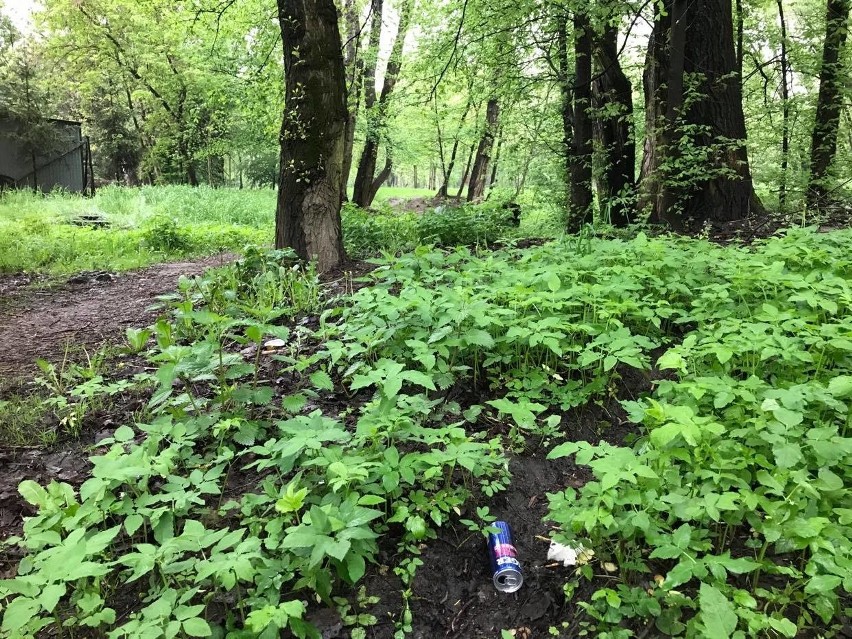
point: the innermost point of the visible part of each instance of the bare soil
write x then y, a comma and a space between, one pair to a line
82, 312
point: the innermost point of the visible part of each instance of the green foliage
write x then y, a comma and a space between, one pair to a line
735, 491
143, 226
366, 233
154, 516
734, 494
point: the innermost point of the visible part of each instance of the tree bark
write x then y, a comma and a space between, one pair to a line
695, 167
493, 180
354, 65
612, 101
740, 30
466, 171
448, 170
479, 172
580, 206
365, 187
829, 103
567, 95
312, 133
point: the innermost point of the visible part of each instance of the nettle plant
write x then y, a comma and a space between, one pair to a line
732, 516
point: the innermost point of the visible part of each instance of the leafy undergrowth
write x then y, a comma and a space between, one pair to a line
287, 434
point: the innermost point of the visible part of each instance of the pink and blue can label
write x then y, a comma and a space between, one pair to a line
504, 559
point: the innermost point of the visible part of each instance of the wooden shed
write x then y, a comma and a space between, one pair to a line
63, 160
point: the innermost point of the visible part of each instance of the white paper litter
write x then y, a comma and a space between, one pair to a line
568, 555
275, 343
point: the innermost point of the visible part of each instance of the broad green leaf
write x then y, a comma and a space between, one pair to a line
197, 627
321, 380
479, 337
841, 386
18, 613
717, 612
787, 455
33, 493
822, 584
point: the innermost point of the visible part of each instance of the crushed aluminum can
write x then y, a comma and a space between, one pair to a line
504, 559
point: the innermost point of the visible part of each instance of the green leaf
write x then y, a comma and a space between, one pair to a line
670, 359
294, 403
553, 282
724, 354
563, 450
123, 434
787, 455
355, 566
784, 626
788, 417
822, 584
33, 493
321, 380
479, 337
421, 379
51, 595
841, 386
717, 612
197, 627
18, 614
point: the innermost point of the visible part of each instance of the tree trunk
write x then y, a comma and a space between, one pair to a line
695, 167
496, 161
740, 29
479, 173
466, 171
785, 110
829, 102
354, 65
312, 133
580, 207
448, 170
365, 189
567, 102
612, 100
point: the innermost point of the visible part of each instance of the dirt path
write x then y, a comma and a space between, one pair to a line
86, 311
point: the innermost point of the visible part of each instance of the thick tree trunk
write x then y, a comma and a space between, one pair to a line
479, 172
612, 99
695, 167
829, 103
365, 188
312, 132
580, 208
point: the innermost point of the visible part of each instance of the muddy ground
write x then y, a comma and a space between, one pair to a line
42, 318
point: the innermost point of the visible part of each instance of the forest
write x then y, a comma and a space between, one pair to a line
347, 286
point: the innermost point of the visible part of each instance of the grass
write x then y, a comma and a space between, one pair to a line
145, 225
25, 420
149, 225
